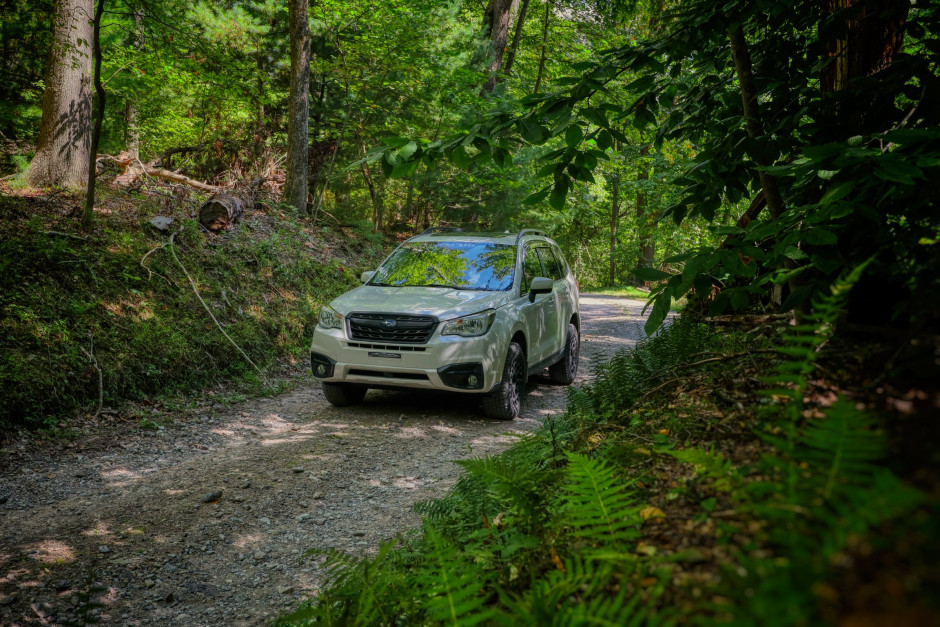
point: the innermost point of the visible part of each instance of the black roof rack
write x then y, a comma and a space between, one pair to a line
529, 231
442, 229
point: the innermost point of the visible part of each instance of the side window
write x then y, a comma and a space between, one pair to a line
551, 265
531, 268
562, 263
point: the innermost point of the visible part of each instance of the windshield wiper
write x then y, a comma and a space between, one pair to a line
384, 285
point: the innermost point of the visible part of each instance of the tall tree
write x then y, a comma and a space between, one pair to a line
295, 187
99, 117
65, 131
496, 19
516, 38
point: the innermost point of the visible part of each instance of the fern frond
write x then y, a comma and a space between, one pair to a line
454, 588
598, 508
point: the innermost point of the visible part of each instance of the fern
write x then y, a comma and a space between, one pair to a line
598, 508
454, 589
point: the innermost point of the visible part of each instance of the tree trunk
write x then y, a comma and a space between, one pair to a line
614, 221
544, 52
862, 37
752, 117
65, 131
89, 213
130, 110
497, 18
295, 187
516, 37
644, 228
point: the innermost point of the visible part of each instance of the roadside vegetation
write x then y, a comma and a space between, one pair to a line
708, 476
109, 315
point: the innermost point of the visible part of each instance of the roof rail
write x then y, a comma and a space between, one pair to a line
529, 231
442, 229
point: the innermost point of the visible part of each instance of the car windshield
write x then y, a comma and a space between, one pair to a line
459, 265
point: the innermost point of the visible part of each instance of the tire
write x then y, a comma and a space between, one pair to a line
505, 402
564, 371
344, 394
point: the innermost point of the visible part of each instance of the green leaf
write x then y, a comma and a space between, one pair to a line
557, 198
537, 197
461, 158
407, 150
794, 253
574, 135
819, 237
395, 142
603, 140
532, 133
660, 310
596, 116
649, 274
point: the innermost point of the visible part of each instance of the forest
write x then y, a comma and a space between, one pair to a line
184, 184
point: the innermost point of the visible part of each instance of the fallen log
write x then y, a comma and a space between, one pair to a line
133, 168
221, 212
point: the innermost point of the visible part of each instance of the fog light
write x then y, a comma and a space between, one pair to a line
472, 380
321, 369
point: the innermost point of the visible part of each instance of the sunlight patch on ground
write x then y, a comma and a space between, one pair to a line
247, 540
407, 483
447, 429
411, 433
120, 477
99, 529
51, 552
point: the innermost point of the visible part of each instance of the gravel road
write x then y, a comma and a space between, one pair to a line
206, 521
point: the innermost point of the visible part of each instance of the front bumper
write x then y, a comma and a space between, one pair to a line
443, 363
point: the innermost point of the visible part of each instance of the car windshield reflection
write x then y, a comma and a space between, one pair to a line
454, 265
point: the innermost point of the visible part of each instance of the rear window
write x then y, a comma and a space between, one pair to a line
460, 265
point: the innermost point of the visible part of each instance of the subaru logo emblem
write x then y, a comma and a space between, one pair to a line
390, 323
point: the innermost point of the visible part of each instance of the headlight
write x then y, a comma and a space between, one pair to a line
330, 319
470, 326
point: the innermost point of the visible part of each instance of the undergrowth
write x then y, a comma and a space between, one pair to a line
72, 303
697, 481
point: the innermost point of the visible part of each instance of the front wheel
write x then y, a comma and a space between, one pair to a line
344, 394
565, 369
505, 402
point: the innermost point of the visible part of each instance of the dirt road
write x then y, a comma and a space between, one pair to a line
205, 521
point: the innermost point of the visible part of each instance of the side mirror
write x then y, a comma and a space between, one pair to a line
540, 285
365, 276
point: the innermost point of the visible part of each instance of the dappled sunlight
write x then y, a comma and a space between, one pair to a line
248, 540
51, 552
119, 477
410, 433
441, 428
408, 483
100, 529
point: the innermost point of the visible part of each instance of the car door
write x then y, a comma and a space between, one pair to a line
557, 317
536, 315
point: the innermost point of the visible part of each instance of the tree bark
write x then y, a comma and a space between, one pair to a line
130, 110
544, 52
221, 212
64, 145
752, 117
614, 222
644, 231
295, 187
497, 18
516, 37
89, 213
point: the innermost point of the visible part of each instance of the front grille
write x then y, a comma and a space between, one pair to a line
412, 376
375, 326
387, 347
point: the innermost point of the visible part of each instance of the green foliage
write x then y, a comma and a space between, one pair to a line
144, 325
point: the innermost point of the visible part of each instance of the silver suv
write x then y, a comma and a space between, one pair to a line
475, 313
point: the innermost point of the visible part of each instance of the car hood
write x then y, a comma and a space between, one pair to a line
443, 302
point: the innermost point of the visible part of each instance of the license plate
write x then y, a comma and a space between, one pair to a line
386, 355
